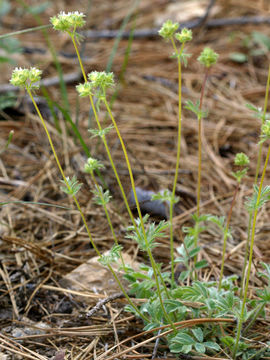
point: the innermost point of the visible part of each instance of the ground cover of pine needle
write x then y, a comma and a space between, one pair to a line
39, 244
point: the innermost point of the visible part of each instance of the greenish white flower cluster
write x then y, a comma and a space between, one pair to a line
97, 80
184, 36
85, 89
68, 22
208, 57
241, 159
92, 165
169, 28
266, 129
26, 78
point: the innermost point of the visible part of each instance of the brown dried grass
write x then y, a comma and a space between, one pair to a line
40, 244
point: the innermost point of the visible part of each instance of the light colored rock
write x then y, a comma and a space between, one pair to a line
96, 278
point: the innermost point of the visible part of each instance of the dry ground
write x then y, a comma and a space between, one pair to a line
40, 244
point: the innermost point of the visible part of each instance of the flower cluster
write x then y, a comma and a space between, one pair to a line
184, 36
168, 29
97, 80
92, 165
26, 78
208, 57
101, 79
68, 22
85, 89
241, 159
266, 129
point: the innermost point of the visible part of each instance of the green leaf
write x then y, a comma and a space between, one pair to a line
173, 305
7, 100
186, 349
4, 7
194, 252
112, 256
198, 333
151, 326
71, 186
212, 345
228, 341
261, 39
184, 339
6, 59
202, 288
183, 276
200, 348
176, 348
201, 264
141, 276
238, 57
11, 45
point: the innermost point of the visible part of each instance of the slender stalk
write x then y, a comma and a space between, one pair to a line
246, 255
103, 138
107, 215
152, 260
254, 317
35, 28
255, 182
200, 144
79, 208
52, 50
263, 120
241, 319
155, 269
225, 236
177, 156
200, 157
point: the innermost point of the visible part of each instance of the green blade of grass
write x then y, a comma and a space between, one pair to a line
125, 62
78, 135
74, 128
120, 34
14, 33
51, 106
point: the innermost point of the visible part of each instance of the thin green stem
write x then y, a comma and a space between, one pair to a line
246, 255
177, 156
241, 319
103, 138
107, 215
78, 56
153, 263
254, 317
52, 50
255, 182
61, 170
200, 157
199, 166
263, 120
14, 33
121, 187
127, 296
225, 236
200, 144
79, 208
